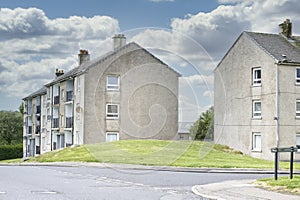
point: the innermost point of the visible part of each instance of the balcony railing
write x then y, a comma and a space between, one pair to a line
56, 100
69, 122
69, 96
55, 123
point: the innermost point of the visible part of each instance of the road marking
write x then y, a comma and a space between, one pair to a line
2, 192
44, 192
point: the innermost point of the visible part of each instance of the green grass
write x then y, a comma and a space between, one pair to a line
283, 184
70, 154
161, 153
16, 160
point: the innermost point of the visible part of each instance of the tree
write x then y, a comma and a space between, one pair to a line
203, 128
11, 127
21, 108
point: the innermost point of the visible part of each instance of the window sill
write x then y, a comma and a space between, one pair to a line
256, 151
258, 118
258, 85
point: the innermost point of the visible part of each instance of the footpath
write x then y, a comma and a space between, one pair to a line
228, 190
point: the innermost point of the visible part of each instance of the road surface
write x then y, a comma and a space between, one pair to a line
88, 183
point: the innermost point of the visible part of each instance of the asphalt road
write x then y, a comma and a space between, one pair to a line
85, 183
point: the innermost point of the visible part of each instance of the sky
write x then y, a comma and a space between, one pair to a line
191, 36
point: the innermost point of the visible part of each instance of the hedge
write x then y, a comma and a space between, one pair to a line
11, 151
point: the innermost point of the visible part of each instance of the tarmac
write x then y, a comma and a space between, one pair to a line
228, 190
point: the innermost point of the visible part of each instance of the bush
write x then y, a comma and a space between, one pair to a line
11, 151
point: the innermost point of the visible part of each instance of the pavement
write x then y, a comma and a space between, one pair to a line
239, 190
228, 190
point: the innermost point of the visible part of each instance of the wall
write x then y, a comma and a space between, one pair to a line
147, 98
234, 94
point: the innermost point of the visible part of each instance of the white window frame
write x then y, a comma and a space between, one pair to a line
112, 115
297, 111
256, 113
112, 133
255, 80
297, 139
255, 145
297, 79
112, 87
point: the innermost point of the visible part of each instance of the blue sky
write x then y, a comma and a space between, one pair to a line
37, 36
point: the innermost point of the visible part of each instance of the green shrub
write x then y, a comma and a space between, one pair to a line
11, 151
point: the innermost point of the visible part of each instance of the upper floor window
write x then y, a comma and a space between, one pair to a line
256, 109
112, 111
298, 108
112, 82
298, 76
256, 76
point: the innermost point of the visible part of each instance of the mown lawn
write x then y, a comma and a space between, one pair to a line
283, 184
161, 153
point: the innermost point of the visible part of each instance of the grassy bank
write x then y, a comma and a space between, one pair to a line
161, 153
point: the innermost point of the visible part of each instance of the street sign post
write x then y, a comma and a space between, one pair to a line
277, 150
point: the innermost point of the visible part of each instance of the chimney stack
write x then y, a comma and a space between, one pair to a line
83, 56
286, 28
59, 72
119, 41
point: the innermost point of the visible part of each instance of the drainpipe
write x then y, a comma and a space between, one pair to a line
277, 105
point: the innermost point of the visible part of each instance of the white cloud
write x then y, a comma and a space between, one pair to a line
35, 45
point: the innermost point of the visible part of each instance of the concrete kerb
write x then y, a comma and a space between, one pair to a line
153, 168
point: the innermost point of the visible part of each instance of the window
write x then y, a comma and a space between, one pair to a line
298, 139
112, 111
112, 83
298, 76
112, 136
256, 141
256, 109
256, 76
298, 108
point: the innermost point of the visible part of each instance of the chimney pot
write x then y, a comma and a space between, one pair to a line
59, 72
286, 28
83, 56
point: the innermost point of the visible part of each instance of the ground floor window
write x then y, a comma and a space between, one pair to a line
112, 136
256, 141
298, 139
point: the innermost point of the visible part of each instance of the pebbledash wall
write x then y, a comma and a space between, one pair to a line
127, 93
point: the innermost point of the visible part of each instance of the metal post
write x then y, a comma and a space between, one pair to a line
276, 164
291, 162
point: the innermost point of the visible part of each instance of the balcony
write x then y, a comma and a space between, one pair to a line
29, 111
38, 109
56, 100
69, 96
29, 130
55, 123
37, 130
69, 122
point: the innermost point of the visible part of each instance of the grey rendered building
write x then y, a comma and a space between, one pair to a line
257, 93
125, 94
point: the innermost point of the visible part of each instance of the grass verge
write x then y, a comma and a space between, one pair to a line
284, 184
160, 153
